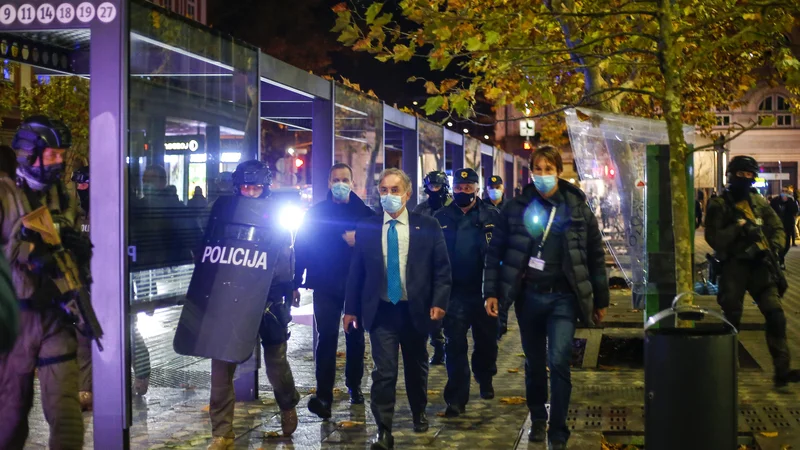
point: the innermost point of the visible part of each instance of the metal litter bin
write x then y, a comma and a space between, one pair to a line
690, 379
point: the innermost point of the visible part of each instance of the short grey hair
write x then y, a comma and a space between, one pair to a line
394, 171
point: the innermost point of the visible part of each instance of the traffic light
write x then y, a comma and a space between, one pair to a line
298, 162
526, 145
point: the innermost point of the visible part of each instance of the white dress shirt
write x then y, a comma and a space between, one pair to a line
402, 241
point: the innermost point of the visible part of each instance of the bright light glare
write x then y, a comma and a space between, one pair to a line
449, 124
535, 219
149, 326
291, 217
290, 150
486, 136
466, 130
416, 103
572, 180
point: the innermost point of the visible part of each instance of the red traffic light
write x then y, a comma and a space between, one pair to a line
611, 173
298, 162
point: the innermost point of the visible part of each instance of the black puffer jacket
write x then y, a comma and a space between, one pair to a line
584, 262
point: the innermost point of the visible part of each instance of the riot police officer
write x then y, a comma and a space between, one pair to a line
437, 187
747, 237
467, 224
252, 179
47, 340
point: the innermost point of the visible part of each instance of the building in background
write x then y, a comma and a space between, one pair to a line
193, 9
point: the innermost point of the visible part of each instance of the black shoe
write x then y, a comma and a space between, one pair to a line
385, 441
319, 407
438, 356
556, 446
420, 422
487, 391
356, 396
538, 431
453, 411
793, 376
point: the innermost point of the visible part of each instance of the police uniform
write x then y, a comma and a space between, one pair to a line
495, 180
747, 253
502, 314
467, 236
47, 342
436, 201
273, 330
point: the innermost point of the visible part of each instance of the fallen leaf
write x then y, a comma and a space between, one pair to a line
432, 392
312, 391
786, 447
205, 408
272, 434
350, 424
339, 365
337, 390
513, 370
440, 414
340, 354
769, 434
521, 355
613, 304
512, 400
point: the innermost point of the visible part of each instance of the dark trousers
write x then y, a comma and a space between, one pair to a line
547, 328
437, 334
789, 231
328, 314
502, 314
392, 332
740, 276
465, 312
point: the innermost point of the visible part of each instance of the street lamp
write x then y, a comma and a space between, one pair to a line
290, 150
466, 130
415, 103
486, 136
449, 124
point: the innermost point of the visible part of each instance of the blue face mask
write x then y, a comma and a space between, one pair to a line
544, 183
495, 194
340, 191
391, 203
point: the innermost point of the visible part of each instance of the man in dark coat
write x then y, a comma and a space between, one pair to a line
547, 256
323, 248
399, 283
468, 224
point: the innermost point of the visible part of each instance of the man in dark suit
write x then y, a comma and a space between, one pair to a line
399, 282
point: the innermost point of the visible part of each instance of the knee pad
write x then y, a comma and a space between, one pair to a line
776, 323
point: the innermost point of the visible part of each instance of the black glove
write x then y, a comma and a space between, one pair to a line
752, 231
41, 259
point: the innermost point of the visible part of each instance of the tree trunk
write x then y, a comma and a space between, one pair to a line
678, 151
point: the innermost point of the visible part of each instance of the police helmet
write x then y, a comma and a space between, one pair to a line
36, 134
252, 173
437, 177
742, 164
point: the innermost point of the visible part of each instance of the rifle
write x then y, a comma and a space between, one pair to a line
67, 276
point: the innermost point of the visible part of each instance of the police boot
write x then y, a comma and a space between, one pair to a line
438, 355
289, 421
221, 443
792, 377
140, 386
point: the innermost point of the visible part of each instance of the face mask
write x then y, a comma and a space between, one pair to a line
495, 194
391, 203
436, 199
340, 191
740, 186
544, 183
463, 199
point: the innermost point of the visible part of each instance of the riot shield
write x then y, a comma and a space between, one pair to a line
232, 276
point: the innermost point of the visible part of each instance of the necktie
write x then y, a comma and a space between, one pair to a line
393, 285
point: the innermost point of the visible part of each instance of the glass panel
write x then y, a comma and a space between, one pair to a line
431, 152
358, 127
472, 153
766, 104
785, 121
193, 116
783, 105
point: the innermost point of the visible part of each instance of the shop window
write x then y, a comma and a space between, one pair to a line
723, 120
784, 120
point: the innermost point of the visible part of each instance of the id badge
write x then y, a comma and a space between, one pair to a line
536, 263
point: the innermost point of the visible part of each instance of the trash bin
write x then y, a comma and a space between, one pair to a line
690, 382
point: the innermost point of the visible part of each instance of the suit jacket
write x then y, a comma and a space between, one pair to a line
428, 277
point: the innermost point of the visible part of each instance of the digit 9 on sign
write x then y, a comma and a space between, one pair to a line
8, 14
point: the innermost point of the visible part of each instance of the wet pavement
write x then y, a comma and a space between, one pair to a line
606, 400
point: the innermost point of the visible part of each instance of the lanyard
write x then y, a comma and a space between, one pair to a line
547, 230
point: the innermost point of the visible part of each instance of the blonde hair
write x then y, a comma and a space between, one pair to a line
394, 171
